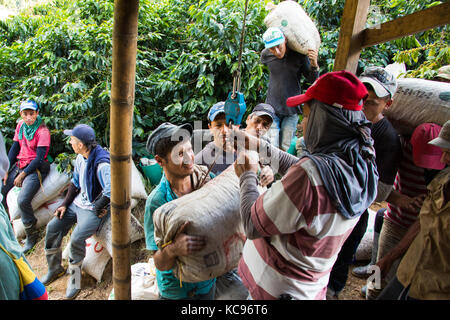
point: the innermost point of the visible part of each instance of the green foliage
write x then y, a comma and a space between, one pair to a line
60, 54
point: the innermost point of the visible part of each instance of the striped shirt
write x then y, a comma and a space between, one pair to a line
409, 181
301, 236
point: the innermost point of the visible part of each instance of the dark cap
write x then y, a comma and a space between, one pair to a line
165, 130
382, 81
262, 109
83, 132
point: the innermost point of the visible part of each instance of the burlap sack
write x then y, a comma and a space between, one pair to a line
419, 101
213, 212
297, 26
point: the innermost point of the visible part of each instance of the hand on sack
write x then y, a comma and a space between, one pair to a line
244, 141
266, 176
312, 56
184, 245
245, 163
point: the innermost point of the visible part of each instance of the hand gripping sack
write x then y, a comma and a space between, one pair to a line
419, 101
300, 31
213, 211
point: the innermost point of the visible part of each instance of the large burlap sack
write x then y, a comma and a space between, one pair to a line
53, 185
43, 215
419, 101
364, 250
213, 212
96, 259
104, 235
297, 26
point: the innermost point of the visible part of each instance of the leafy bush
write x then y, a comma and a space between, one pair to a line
59, 54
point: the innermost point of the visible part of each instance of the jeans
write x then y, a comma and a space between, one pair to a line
87, 224
282, 131
30, 187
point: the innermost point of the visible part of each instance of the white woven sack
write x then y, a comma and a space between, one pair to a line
364, 250
43, 215
143, 282
52, 186
297, 26
419, 101
104, 235
96, 259
213, 212
137, 184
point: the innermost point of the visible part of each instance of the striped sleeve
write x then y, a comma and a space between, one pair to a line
291, 203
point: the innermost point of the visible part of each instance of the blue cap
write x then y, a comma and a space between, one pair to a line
273, 37
83, 132
216, 109
29, 104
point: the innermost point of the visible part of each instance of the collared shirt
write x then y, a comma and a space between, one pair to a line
168, 284
426, 264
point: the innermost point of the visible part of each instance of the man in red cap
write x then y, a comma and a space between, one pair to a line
295, 230
425, 249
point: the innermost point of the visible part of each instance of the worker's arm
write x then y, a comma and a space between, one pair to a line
31, 167
400, 249
277, 159
405, 202
182, 245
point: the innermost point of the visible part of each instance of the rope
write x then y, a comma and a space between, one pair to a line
237, 73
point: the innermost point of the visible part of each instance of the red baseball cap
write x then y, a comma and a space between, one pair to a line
426, 155
341, 89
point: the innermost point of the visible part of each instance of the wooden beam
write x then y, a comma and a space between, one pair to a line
353, 22
413, 23
122, 105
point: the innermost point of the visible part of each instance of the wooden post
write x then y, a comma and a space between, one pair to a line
122, 105
404, 26
350, 37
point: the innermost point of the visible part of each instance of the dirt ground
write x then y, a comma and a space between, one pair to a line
91, 290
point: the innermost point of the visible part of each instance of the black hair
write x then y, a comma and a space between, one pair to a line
164, 146
90, 145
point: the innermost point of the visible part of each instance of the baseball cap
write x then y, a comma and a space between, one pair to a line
273, 37
262, 109
382, 81
426, 155
443, 140
28, 104
83, 132
216, 109
340, 89
165, 130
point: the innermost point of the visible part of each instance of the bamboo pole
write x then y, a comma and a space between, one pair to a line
122, 104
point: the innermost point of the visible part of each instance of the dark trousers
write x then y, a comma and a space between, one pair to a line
339, 273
